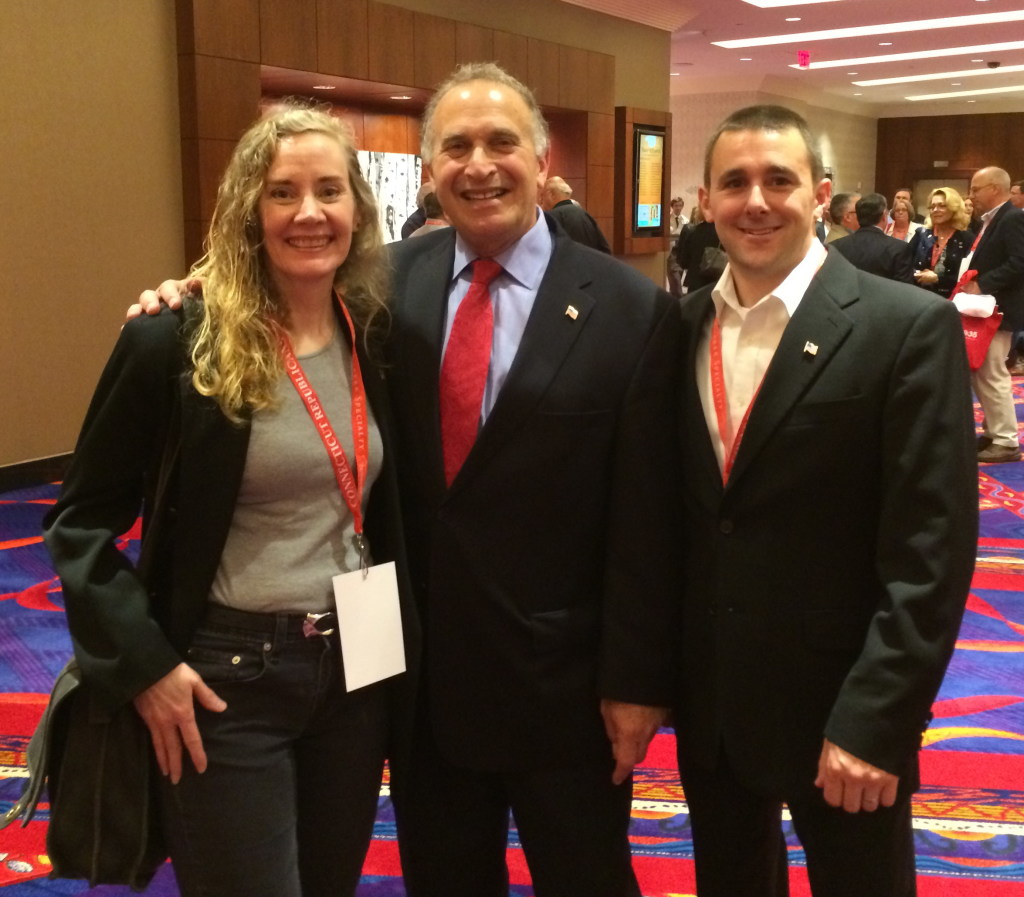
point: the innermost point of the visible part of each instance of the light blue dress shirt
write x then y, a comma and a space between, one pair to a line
512, 293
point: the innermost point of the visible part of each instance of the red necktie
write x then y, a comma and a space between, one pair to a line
464, 368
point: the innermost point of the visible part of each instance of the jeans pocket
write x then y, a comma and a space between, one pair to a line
222, 655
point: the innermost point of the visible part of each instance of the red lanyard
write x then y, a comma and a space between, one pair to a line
351, 487
729, 444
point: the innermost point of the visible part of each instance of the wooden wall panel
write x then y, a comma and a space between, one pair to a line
385, 132
601, 196
600, 139
473, 43
600, 82
392, 44
288, 34
573, 76
435, 49
569, 149
228, 28
227, 96
542, 61
908, 147
512, 52
342, 42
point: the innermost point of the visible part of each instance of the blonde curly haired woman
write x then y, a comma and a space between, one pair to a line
230, 651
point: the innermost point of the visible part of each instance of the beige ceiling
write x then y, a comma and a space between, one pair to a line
702, 67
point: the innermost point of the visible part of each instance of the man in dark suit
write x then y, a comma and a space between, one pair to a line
830, 498
871, 249
546, 569
556, 199
998, 258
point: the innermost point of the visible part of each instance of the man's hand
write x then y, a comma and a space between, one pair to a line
971, 287
853, 784
169, 293
167, 707
630, 728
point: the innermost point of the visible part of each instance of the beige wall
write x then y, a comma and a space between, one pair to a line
847, 140
91, 184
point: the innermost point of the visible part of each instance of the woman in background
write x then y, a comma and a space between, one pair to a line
943, 243
902, 226
230, 651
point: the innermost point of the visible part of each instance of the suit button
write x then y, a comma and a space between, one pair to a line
725, 526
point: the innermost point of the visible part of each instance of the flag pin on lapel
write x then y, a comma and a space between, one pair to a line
570, 311
810, 348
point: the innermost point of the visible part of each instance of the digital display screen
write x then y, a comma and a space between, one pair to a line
648, 168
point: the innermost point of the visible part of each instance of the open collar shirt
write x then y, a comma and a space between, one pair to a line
750, 336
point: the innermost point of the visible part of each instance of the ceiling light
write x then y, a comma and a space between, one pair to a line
917, 54
746, 59
940, 76
773, 4
966, 93
793, 19
993, 18
885, 43
674, 74
401, 98
324, 87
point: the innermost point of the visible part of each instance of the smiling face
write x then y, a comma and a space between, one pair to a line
308, 212
484, 165
761, 195
938, 209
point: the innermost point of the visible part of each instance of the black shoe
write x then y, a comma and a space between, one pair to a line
984, 442
998, 454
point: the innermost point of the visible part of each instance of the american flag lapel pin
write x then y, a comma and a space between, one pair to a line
810, 348
571, 312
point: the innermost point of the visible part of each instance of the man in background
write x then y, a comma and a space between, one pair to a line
830, 494
556, 199
871, 249
842, 211
676, 223
1017, 194
998, 257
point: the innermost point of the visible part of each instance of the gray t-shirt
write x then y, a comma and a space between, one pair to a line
292, 531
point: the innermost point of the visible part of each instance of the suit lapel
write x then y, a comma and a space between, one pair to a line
551, 331
706, 474
422, 315
814, 334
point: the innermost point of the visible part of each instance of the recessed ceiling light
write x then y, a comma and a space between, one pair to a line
941, 76
994, 18
674, 74
401, 98
851, 73
793, 19
977, 60
885, 43
967, 93
324, 87
858, 94
933, 53
772, 4
746, 59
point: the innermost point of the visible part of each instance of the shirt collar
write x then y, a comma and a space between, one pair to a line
987, 216
526, 260
789, 292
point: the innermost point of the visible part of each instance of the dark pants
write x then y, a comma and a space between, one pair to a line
453, 827
287, 804
739, 849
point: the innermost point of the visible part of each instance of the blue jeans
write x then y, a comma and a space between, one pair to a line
287, 803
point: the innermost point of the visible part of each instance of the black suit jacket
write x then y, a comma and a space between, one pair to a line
871, 250
578, 224
999, 261
547, 574
826, 581
126, 639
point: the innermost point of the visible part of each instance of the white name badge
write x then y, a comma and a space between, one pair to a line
370, 625
965, 264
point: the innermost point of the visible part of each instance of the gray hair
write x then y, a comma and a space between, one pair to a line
483, 71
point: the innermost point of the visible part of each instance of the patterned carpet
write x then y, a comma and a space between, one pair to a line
969, 816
